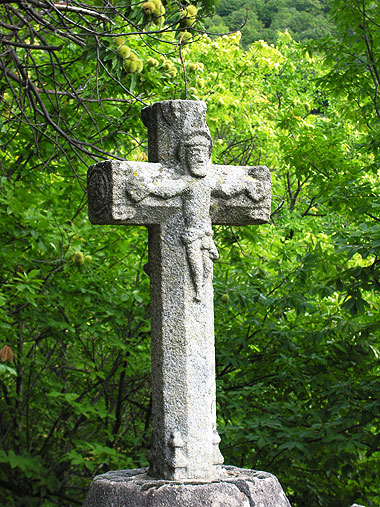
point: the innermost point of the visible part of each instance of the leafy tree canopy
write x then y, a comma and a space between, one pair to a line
297, 301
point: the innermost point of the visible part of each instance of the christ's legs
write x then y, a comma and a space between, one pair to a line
195, 257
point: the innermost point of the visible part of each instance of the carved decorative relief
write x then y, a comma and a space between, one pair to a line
178, 448
98, 191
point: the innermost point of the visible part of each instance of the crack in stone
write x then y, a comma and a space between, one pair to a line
146, 487
239, 484
243, 488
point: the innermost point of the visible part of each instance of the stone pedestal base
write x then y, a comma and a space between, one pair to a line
134, 488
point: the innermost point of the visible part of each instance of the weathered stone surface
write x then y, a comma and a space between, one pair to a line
238, 488
179, 194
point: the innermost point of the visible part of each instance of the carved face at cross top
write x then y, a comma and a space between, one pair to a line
196, 152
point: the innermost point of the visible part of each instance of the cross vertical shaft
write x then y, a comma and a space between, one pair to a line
185, 442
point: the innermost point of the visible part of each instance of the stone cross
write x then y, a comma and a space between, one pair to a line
178, 195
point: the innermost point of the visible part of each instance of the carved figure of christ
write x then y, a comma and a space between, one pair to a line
178, 197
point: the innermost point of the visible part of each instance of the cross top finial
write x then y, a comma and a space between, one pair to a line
171, 122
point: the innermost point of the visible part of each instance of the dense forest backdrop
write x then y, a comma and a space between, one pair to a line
296, 301
263, 19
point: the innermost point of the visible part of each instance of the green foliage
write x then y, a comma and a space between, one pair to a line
76, 343
296, 301
263, 19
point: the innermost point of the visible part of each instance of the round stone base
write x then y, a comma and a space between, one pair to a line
134, 488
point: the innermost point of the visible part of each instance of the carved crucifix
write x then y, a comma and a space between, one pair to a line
178, 195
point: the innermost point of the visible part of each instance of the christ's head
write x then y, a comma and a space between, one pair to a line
195, 153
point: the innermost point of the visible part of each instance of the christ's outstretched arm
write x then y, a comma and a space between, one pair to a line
166, 188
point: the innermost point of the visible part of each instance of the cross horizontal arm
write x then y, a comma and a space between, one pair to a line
143, 193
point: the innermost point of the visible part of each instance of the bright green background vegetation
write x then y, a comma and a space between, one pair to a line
296, 301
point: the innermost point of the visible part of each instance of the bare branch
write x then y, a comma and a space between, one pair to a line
32, 46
